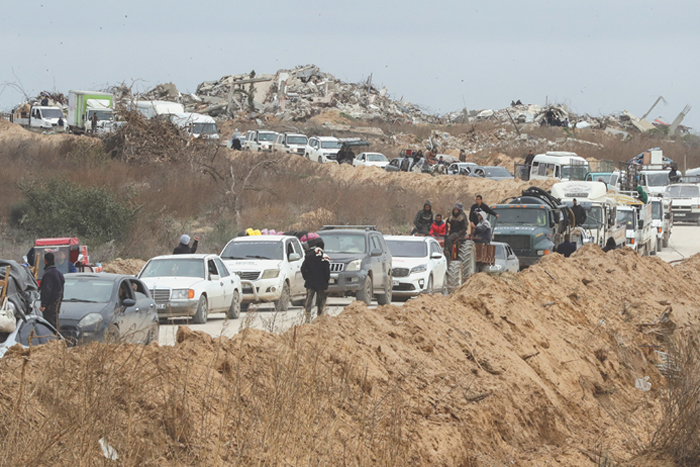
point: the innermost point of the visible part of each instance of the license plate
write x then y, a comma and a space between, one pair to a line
161, 306
394, 283
332, 281
679, 214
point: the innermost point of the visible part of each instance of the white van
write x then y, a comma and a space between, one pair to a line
151, 109
559, 164
196, 125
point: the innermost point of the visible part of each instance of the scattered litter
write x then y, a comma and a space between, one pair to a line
108, 451
643, 384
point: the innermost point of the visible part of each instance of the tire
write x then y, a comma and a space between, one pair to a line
665, 241
453, 278
245, 306
234, 311
467, 256
283, 303
153, 335
366, 292
385, 298
659, 244
429, 289
320, 160
202, 311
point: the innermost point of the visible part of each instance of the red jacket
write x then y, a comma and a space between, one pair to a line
438, 230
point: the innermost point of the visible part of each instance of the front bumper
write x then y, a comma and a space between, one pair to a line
75, 335
410, 286
686, 216
262, 290
346, 282
177, 308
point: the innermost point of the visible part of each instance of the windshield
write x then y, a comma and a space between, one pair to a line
600, 177
626, 218
266, 136
51, 113
330, 144
594, 217
98, 291
521, 216
101, 114
574, 172
677, 191
253, 250
403, 249
656, 209
376, 158
204, 128
296, 140
173, 267
500, 252
659, 179
496, 172
343, 243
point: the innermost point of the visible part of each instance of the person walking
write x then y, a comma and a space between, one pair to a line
51, 291
316, 271
462, 156
479, 204
566, 247
184, 247
93, 122
579, 213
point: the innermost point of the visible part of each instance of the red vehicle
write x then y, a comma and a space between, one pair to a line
70, 256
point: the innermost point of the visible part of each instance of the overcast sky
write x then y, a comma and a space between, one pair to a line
596, 56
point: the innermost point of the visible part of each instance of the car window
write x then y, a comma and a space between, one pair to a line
550, 170
297, 247
223, 270
211, 268
139, 289
375, 242
125, 291
435, 248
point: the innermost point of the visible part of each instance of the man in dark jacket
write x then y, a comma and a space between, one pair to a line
579, 213
423, 220
473, 218
316, 271
51, 291
566, 247
528, 159
457, 226
184, 247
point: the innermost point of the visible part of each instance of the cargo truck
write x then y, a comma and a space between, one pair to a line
636, 217
82, 105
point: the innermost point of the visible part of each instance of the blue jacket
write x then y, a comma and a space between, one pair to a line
51, 286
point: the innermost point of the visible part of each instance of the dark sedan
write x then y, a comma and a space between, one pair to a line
107, 307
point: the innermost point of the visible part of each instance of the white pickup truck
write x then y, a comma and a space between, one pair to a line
685, 202
272, 263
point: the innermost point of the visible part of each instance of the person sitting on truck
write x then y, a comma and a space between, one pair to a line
566, 247
423, 220
609, 245
473, 218
439, 228
579, 213
457, 228
481, 232
642, 195
673, 175
184, 247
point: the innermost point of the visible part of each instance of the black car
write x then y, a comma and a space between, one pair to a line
360, 262
107, 307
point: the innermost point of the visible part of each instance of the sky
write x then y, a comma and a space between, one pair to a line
597, 57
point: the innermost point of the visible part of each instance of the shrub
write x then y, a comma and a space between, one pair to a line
60, 208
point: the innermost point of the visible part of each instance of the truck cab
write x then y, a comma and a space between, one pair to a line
661, 220
533, 224
636, 217
601, 209
196, 125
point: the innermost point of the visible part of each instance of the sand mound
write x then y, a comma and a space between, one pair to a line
523, 369
129, 267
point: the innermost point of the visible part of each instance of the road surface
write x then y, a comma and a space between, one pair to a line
684, 242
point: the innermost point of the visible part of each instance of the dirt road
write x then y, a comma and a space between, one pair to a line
682, 244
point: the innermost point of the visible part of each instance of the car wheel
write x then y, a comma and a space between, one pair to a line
429, 288
320, 160
283, 303
365, 293
202, 311
385, 298
234, 310
665, 242
153, 334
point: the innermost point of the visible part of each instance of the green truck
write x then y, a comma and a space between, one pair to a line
82, 105
533, 224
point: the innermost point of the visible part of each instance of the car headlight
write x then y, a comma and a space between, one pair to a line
271, 273
90, 320
419, 268
496, 267
181, 294
354, 265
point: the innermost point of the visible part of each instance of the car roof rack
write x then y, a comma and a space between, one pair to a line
355, 227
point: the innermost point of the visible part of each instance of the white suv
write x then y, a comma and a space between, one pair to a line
322, 149
259, 140
272, 263
290, 143
418, 265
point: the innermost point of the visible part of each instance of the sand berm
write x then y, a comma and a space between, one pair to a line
529, 369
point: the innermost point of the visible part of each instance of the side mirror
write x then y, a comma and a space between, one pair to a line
376, 252
294, 257
128, 302
213, 277
436, 256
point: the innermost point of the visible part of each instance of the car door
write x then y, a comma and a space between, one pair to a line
146, 313
228, 281
127, 318
379, 263
439, 265
295, 278
215, 286
513, 264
